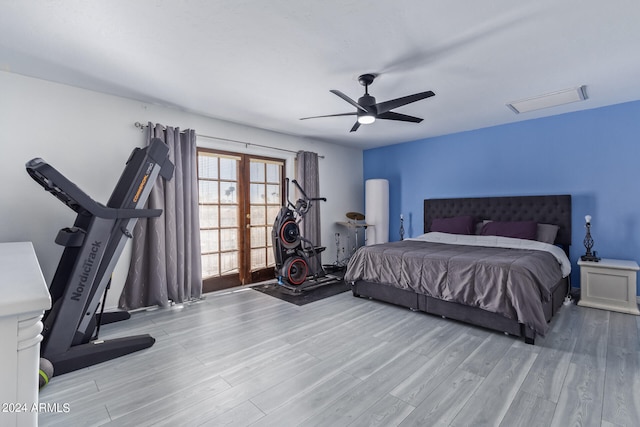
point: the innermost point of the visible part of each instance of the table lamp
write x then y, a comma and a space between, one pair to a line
588, 242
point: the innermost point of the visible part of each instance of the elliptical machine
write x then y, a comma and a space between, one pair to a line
293, 253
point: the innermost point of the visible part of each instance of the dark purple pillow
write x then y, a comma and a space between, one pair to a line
455, 225
518, 229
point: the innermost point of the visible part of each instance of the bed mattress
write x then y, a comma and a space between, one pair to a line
511, 281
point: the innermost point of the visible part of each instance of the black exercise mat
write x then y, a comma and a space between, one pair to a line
303, 297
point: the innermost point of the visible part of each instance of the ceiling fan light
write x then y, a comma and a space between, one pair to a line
366, 119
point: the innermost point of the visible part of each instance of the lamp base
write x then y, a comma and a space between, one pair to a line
590, 257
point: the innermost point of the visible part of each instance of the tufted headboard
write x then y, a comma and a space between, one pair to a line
541, 209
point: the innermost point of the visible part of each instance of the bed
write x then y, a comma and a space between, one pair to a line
430, 273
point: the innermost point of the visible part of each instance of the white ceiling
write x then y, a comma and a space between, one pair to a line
269, 63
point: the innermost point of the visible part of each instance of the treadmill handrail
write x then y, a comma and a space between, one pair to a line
137, 213
72, 196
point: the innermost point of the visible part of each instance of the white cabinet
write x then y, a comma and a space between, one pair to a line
24, 298
609, 284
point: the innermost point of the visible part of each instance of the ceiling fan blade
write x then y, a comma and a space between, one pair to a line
330, 115
479, 33
349, 100
355, 127
383, 107
390, 115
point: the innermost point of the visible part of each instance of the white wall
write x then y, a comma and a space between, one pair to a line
88, 136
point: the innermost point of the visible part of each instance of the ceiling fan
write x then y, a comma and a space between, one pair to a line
367, 109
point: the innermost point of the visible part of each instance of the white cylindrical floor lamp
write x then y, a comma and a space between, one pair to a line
377, 210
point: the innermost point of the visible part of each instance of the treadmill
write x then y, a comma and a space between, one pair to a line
92, 247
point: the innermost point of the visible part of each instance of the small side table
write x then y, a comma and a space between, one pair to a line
355, 226
609, 284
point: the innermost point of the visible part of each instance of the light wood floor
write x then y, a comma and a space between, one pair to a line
246, 358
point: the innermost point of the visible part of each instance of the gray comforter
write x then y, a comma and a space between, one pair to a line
511, 282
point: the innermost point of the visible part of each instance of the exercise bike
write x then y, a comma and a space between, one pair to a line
293, 253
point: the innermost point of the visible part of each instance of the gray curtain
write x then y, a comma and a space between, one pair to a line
307, 177
165, 261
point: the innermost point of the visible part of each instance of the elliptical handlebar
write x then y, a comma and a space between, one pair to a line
303, 204
324, 199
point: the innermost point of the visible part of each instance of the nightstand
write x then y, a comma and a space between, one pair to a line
609, 284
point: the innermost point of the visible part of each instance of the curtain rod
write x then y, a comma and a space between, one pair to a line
246, 144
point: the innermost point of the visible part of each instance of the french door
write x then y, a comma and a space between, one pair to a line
239, 198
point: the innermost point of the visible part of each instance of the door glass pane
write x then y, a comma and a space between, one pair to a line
228, 216
258, 236
209, 241
228, 192
273, 173
256, 172
228, 169
273, 194
229, 262
208, 216
210, 265
258, 215
257, 193
258, 259
272, 213
208, 191
229, 239
207, 166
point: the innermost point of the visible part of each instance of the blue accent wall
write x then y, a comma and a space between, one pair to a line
594, 155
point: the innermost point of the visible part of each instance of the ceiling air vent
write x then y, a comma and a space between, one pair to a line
548, 100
